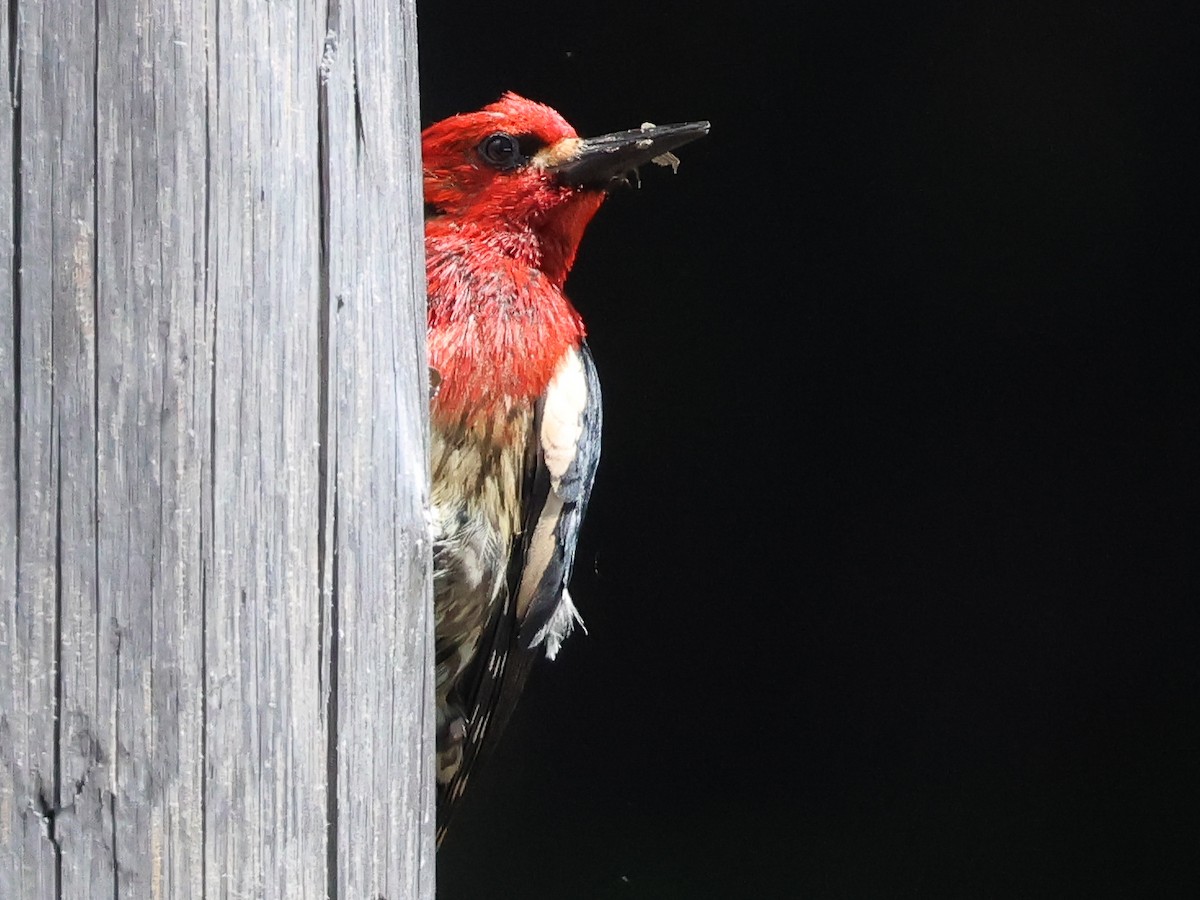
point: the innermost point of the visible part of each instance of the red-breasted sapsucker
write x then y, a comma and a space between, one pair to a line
509, 191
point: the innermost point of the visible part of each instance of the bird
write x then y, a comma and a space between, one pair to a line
515, 413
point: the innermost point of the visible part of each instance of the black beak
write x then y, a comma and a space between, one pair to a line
604, 161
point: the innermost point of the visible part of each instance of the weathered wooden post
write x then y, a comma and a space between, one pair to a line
215, 672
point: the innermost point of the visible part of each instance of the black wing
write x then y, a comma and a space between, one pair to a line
536, 609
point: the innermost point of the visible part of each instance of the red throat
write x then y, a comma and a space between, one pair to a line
498, 327
561, 232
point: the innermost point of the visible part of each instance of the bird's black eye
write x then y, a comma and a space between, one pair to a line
502, 151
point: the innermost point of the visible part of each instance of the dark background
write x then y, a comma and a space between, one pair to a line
887, 575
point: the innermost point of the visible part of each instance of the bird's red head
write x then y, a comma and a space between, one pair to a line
496, 169
520, 174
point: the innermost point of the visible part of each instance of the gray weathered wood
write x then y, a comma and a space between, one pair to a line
215, 633
371, 105
27, 503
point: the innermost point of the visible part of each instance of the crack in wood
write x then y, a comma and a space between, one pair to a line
327, 505
56, 738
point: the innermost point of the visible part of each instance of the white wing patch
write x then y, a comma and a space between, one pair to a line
562, 416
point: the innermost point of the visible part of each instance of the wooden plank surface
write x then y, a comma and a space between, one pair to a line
215, 627
154, 422
52, 387
28, 867
375, 259
266, 720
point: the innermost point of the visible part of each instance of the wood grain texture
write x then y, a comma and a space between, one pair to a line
28, 619
53, 434
371, 113
215, 632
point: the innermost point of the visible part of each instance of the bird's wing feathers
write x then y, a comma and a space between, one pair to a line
536, 609
567, 427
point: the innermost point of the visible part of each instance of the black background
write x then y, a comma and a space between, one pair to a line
887, 574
